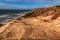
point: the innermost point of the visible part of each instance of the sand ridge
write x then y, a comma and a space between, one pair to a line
41, 24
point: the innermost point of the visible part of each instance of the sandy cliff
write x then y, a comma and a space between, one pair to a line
40, 24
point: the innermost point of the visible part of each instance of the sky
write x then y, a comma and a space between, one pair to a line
27, 4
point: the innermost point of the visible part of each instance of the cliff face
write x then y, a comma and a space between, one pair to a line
40, 24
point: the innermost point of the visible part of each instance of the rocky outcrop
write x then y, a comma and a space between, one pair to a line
40, 24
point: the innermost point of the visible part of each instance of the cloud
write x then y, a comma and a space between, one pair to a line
31, 0
7, 6
26, 5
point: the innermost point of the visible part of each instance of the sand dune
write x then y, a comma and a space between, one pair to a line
40, 24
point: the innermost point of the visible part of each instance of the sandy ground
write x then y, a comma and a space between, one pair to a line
41, 24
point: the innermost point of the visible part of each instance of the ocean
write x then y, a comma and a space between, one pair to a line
9, 15
12, 11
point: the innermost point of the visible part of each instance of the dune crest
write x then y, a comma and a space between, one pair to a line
40, 24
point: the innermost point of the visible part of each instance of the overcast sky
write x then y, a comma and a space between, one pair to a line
27, 4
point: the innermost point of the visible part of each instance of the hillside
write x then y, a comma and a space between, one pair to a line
40, 24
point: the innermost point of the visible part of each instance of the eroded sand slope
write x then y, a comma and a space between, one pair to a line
41, 24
